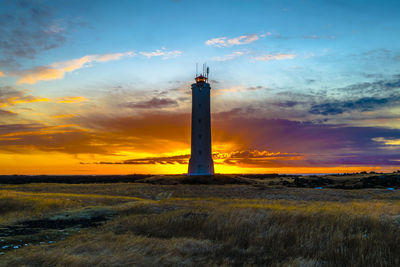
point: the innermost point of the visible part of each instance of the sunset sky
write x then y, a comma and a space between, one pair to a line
103, 87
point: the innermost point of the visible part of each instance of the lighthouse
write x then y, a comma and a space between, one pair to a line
201, 162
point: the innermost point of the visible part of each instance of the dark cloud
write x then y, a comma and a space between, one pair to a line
374, 75
253, 88
247, 157
180, 159
155, 102
28, 28
362, 104
7, 113
287, 104
379, 54
306, 138
380, 88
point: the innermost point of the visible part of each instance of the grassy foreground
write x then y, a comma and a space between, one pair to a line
141, 224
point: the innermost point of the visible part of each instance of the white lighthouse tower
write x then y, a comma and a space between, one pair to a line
201, 162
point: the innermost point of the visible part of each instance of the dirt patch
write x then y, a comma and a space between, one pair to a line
51, 228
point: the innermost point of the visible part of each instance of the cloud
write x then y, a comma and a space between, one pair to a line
227, 57
155, 102
256, 158
387, 141
26, 138
362, 104
266, 34
28, 28
25, 31
254, 88
2, 74
225, 42
235, 89
227, 90
319, 144
71, 99
258, 142
10, 97
180, 159
7, 113
63, 116
165, 54
311, 37
278, 56
100, 134
57, 70
384, 87
286, 104
246, 157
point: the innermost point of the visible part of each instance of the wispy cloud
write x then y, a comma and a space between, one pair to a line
57, 70
247, 157
227, 90
155, 102
63, 116
386, 141
362, 105
311, 36
10, 97
225, 41
279, 56
227, 57
7, 113
164, 53
71, 99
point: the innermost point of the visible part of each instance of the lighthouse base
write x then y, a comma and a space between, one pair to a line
203, 167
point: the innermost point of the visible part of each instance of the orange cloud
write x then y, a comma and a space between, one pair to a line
227, 90
57, 70
63, 116
71, 99
2, 74
11, 101
386, 141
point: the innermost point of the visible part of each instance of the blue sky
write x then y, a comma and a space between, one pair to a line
328, 63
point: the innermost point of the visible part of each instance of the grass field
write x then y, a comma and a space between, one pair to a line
146, 224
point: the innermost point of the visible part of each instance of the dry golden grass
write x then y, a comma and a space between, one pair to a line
199, 226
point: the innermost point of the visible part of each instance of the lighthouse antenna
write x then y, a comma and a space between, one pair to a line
197, 66
208, 71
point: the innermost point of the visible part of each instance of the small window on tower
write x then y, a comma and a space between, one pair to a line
200, 136
199, 105
199, 120
199, 152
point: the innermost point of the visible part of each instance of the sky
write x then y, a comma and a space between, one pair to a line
103, 87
